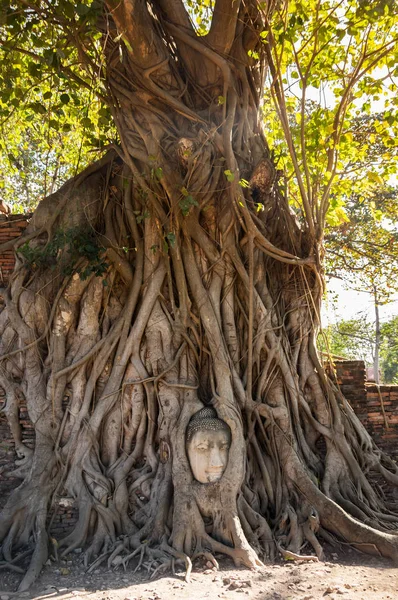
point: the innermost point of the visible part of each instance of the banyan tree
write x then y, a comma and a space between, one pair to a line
162, 318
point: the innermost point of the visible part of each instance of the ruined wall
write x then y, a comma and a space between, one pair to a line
11, 227
376, 406
382, 417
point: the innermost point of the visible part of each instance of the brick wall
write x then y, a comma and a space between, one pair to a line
381, 416
11, 227
351, 375
376, 406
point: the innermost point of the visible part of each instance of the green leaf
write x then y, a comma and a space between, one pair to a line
375, 177
229, 175
253, 54
38, 108
142, 216
171, 239
127, 44
186, 203
244, 183
86, 122
34, 69
82, 9
336, 216
158, 172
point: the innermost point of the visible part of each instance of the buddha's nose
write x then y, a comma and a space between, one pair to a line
216, 461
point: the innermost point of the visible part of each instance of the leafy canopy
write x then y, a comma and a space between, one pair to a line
330, 62
52, 110
363, 251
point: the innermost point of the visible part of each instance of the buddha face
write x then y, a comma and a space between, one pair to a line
208, 454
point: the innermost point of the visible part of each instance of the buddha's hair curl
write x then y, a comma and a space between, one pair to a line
205, 420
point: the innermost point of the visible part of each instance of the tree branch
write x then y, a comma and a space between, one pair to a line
223, 25
136, 27
176, 13
278, 95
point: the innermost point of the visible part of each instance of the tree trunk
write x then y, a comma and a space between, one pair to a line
376, 366
170, 276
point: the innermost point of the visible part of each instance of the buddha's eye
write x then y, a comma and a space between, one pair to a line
201, 448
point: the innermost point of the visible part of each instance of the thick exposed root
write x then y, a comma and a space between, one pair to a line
39, 558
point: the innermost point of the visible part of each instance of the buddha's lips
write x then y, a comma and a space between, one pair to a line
214, 475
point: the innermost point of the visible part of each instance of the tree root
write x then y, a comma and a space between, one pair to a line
207, 556
288, 555
153, 559
333, 518
11, 567
39, 558
98, 561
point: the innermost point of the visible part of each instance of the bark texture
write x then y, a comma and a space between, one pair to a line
171, 275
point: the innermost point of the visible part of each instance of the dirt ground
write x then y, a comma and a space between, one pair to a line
349, 576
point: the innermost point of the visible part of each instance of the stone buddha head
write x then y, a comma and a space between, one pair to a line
208, 439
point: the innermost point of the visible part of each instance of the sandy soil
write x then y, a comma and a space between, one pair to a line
349, 576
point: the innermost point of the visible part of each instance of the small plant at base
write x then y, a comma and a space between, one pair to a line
78, 243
